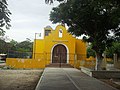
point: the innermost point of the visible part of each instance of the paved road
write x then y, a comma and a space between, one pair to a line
69, 79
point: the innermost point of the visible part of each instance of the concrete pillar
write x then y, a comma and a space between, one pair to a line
115, 60
115, 57
104, 62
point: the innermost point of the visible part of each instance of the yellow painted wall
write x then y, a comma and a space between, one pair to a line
25, 63
80, 47
80, 53
37, 63
38, 48
45, 46
42, 50
53, 39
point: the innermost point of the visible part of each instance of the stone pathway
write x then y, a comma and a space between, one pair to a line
69, 79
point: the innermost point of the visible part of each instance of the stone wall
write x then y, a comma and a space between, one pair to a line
116, 61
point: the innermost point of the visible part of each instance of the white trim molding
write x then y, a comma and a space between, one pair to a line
66, 48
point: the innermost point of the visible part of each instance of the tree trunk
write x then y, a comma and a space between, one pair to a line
98, 61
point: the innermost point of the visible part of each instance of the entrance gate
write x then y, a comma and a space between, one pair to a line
59, 54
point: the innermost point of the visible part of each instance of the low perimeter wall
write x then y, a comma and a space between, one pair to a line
101, 74
41, 63
25, 63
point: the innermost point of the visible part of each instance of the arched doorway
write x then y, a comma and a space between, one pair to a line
59, 54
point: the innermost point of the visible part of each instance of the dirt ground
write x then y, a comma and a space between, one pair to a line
19, 79
27, 79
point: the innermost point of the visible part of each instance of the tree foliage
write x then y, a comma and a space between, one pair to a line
4, 16
94, 18
114, 49
24, 46
2, 44
90, 52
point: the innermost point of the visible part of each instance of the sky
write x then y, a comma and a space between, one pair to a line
28, 17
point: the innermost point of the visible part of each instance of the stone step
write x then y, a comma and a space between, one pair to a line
63, 65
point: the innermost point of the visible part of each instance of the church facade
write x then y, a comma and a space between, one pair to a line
59, 46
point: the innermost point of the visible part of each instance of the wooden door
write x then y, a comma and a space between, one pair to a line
59, 54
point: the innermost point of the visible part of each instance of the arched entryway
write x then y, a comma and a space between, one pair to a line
59, 54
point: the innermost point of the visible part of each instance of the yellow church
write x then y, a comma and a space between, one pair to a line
57, 47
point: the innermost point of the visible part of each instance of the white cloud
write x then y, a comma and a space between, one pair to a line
28, 17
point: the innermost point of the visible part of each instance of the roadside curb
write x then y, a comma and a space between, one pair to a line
37, 87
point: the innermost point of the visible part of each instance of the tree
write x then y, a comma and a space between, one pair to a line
4, 46
4, 16
94, 18
114, 49
20, 49
13, 44
25, 46
90, 52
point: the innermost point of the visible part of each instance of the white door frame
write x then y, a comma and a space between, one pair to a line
66, 48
